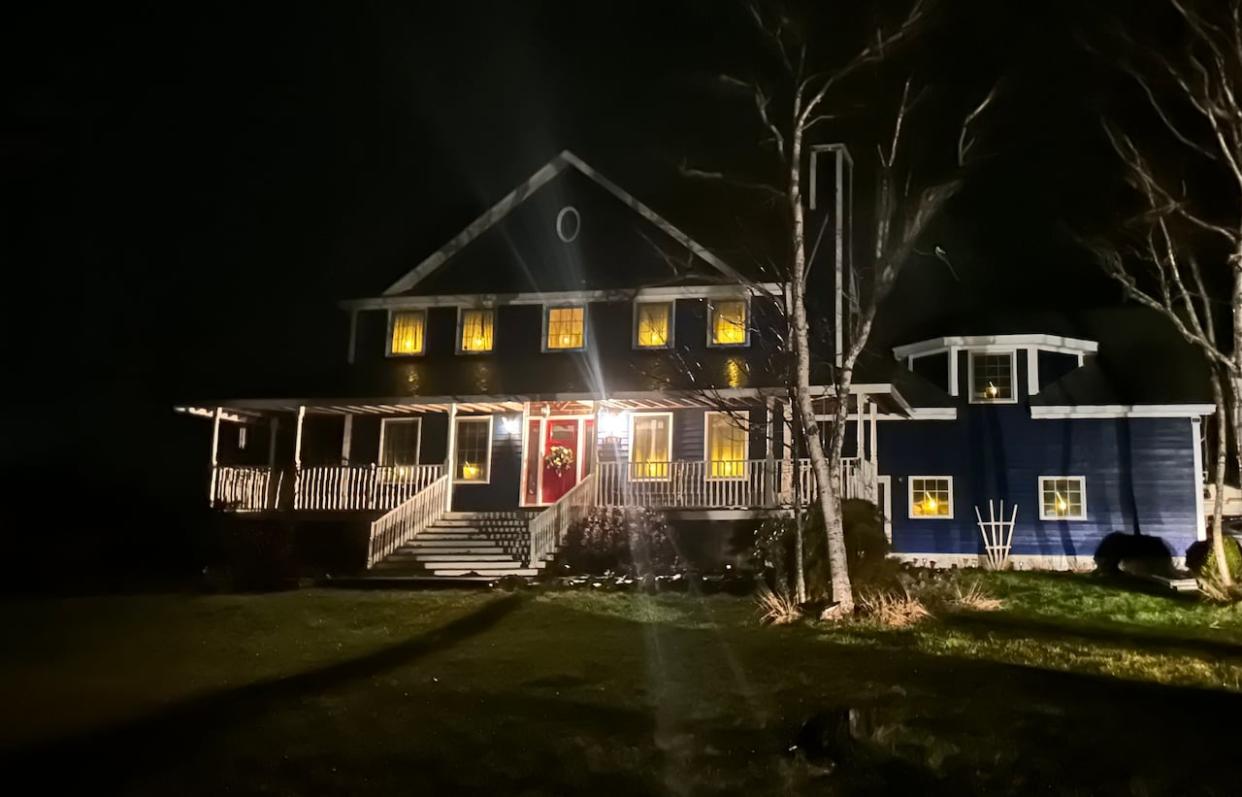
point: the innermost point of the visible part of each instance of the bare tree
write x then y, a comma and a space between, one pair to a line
1194, 95
791, 107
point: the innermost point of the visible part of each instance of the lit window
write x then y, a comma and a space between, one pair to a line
726, 446
728, 323
566, 327
1062, 498
991, 377
474, 450
408, 328
651, 445
931, 496
476, 330
652, 325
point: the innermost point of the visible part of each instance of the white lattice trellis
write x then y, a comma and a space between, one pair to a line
997, 535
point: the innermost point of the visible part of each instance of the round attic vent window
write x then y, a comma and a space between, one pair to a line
568, 224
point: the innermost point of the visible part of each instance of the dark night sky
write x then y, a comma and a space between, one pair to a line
193, 187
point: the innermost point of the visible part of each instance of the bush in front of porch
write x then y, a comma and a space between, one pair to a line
632, 540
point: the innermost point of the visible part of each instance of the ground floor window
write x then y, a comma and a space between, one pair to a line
651, 445
399, 439
1062, 498
931, 497
473, 462
726, 446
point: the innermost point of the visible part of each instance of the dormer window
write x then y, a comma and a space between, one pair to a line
653, 325
476, 326
566, 328
992, 377
408, 334
728, 323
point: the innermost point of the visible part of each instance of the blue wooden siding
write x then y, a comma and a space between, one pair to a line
1140, 476
502, 490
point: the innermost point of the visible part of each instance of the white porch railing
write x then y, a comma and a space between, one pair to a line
351, 487
403, 523
245, 488
547, 529
748, 484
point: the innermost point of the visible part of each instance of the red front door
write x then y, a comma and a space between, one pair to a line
560, 458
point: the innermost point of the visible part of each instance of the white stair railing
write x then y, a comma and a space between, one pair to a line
407, 520
548, 528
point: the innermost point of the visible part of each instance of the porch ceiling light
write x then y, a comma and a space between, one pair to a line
612, 424
510, 425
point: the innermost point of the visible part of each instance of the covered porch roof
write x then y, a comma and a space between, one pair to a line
886, 396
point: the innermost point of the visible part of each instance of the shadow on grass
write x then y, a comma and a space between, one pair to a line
1136, 638
107, 751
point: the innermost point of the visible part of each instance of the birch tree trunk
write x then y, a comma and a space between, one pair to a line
1222, 458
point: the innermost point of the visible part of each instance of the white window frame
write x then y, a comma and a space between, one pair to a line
711, 322
418, 445
392, 319
547, 312
457, 448
1082, 482
910, 497
672, 325
461, 312
707, 449
634, 416
1013, 375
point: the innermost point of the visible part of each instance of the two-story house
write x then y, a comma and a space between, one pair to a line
572, 348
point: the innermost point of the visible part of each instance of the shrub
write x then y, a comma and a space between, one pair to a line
892, 608
255, 555
866, 549
611, 540
1201, 559
777, 607
1133, 553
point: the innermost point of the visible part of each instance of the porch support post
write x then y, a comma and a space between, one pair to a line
215, 454
769, 455
347, 439
297, 457
452, 456
859, 404
875, 449
272, 499
790, 470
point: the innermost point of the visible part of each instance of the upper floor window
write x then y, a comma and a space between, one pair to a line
931, 497
409, 329
653, 325
566, 328
992, 377
727, 323
476, 327
473, 446
1062, 498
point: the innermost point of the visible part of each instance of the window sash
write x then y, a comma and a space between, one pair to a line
477, 330
473, 450
652, 325
727, 444
409, 328
729, 322
1062, 498
992, 377
931, 497
651, 446
566, 328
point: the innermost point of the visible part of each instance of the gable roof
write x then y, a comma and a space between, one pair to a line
549, 171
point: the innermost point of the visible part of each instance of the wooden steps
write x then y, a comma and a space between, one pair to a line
464, 545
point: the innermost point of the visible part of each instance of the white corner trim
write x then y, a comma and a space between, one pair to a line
1201, 518
523, 192
953, 374
1054, 343
1123, 411
1032, 372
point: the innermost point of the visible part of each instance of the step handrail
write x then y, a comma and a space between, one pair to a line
407, 520
547, 529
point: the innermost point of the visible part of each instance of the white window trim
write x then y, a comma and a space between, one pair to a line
543, 337
418, 444
711, 304
910, 498
392, 319
1082, 481
672, 325
1013, 376
634, 416
457, 448
707, 449
460, 315
887, 509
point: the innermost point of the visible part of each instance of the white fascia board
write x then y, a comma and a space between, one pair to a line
520, 194
1053, 343
1124, 411
771, 289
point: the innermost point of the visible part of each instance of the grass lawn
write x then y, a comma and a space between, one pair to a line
1073, 687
